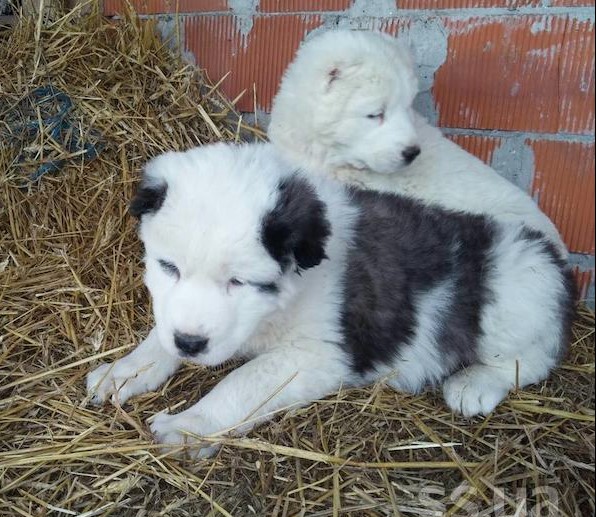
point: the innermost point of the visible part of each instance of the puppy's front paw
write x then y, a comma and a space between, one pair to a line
100, 384
122, 377
474, 390
182, 430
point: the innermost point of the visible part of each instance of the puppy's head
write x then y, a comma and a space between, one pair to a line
227, 231
346, 101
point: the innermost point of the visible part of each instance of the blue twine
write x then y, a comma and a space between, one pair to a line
58, 125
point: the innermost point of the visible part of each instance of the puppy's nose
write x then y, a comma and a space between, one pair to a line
189, 344
410, 153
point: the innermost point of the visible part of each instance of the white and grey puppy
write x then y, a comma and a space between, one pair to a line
344, 109
323, 287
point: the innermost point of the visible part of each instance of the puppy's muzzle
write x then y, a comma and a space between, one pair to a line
189, 344
410, 153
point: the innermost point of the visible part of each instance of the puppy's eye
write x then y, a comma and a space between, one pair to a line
378, 115
169, 268
268, 288
235, 282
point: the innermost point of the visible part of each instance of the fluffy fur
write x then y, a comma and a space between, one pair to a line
344, 108
322, 287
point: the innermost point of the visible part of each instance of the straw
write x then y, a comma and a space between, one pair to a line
71, 296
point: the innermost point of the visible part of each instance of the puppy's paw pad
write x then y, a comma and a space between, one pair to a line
474, 391
164, 428
98, 384
111, 378
172, 431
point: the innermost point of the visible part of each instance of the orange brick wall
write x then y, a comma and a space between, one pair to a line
511, 81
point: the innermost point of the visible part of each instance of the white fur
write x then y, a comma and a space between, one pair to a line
421, 362
520, 342
209, 227
144, 369
321, 122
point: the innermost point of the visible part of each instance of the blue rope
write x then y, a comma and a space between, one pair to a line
58, 125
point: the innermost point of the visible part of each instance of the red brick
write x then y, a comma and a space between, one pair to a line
255, 60
394, 26
461, 4
112, 7
528, 73
293, 6
577, 79
481, 146
564, 184
573, 3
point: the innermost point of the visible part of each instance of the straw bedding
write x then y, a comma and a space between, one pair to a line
71, 295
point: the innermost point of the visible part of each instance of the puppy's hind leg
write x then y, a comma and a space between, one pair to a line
524, 326
477, 389
480, 387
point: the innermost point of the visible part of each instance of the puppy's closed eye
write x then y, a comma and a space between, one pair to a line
378, 115
269, 288
264, 287
169, 268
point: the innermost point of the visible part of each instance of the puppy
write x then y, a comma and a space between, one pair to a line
344, 108
321, 287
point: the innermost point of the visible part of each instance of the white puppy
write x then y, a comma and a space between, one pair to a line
322, 287
344, 108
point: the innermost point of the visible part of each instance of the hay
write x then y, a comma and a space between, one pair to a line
71, 295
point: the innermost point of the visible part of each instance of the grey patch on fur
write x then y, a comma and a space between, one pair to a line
402, 250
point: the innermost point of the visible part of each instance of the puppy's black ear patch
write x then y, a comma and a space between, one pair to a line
148, 199
297, 229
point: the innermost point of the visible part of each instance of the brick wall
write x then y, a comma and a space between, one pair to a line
512, 81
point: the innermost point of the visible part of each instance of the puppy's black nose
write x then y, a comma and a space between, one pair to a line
410, 153
189, 344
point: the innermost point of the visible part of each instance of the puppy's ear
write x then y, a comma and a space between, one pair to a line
151, 192
148, 199
342, 70
297, 229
